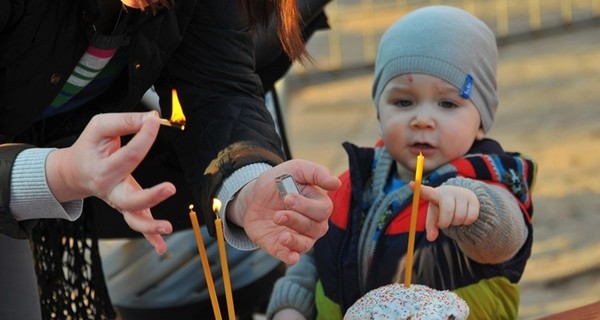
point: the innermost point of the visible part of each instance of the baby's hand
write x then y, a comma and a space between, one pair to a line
448, 205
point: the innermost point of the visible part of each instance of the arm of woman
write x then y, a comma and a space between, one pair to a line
95, 165
229, 130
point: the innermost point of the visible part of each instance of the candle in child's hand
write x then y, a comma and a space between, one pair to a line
223, 258
413, 220
205, 265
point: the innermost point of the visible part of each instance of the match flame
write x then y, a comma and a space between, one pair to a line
216, 205
177, 115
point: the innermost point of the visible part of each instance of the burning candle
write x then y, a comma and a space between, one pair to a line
205, 266
413, 220
223, 258
177, 117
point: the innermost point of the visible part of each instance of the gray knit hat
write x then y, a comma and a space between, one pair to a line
445, 42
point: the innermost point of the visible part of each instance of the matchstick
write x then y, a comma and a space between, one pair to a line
168, 123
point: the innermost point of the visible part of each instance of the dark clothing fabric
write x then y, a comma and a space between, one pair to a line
8, 224
201, 48
439, 264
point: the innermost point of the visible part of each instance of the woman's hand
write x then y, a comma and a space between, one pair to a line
448, 205
97, 165
289, 227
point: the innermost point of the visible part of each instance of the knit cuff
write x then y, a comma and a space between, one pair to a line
288, 294
500, 230
234, 234
30, 196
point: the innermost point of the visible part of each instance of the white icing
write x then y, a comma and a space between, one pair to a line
418, 302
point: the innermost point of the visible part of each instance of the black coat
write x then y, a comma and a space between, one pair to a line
201, 48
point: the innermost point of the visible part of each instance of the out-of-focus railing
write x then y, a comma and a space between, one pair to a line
357, 25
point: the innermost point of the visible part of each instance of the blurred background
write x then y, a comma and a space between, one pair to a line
549, 88
357, 25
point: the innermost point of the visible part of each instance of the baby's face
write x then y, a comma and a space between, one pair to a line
422, 113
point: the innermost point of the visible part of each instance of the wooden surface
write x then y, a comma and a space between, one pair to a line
587, 312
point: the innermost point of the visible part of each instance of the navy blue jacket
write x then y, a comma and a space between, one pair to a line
440, 264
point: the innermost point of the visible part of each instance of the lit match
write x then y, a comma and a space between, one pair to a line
177, 116
168, 123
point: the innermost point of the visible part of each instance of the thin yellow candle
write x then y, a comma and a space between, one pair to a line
205, 266
413, 220
223, 258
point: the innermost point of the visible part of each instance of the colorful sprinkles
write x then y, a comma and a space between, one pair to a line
417, 302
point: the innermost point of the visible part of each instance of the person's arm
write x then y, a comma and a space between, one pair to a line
30, 196
295, 291
229, 127
499, 231
98, 165
234, 234
26, 196
95, 165
8, 223
288, 227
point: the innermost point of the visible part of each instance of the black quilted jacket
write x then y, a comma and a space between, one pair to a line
202, 48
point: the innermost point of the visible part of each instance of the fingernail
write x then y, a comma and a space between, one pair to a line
151, 114
162, 230
289, 202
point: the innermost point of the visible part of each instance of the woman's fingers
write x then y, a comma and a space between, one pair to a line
125, 159
132, 198
152, 229
305, 216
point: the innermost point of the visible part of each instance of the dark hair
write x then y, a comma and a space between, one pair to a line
284, 13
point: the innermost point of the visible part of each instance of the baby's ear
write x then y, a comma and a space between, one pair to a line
480, 134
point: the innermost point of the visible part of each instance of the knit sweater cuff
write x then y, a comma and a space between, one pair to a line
234, 234
30, 196
289, 294
500, 230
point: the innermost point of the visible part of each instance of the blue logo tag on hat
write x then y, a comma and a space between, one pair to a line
465, 91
